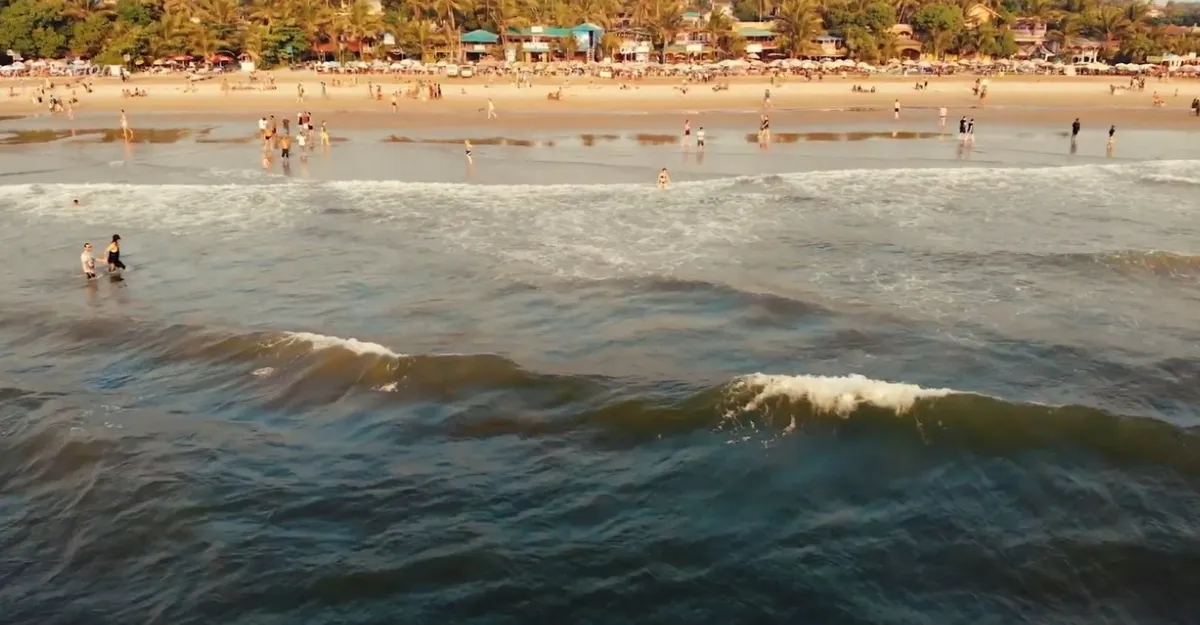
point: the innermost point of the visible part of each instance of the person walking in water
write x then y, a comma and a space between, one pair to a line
896, 109
491, 110
88, 262
114, 254
1112, 139
1075, 126
126, 133
664, 180
468, 147
942, 119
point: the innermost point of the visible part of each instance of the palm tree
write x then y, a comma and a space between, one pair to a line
664, 23
169, 34
905, 9
1110, 22
449, 10
422, 35
362, 23
1041, 11
798, 24
310, 16
724, 40
204, 41
222, 16
505, 15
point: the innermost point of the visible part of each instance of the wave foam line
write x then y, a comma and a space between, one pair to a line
1164, 170
321, 342
840, 395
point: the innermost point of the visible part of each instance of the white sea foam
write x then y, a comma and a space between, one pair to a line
593, 231
834, 395
322, 341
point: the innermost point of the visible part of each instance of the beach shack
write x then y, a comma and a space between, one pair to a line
478, 44
540, 43
587, 39
830, 47
760, 39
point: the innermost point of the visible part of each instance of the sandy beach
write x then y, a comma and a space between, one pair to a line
652, 102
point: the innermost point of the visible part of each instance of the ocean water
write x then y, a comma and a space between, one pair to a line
882, 381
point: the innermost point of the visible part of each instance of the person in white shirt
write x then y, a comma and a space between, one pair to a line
700, 138
88, 262
942, 118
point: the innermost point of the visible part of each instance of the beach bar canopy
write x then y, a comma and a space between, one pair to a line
479, 37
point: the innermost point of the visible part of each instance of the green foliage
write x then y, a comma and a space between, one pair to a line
144, 30
275, 48
34, 29
1006, 44
938, 18
88, 36
135, 13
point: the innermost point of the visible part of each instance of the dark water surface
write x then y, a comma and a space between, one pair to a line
865, 381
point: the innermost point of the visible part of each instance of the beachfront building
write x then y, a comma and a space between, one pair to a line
1085, 51
480, 44
1030, 37
979, 14
760, 38
907, 44
541, 43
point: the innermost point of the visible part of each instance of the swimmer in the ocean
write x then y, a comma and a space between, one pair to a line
663, 179
468, 147
114, 254
88, 262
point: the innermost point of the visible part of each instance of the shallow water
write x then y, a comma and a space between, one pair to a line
869, 381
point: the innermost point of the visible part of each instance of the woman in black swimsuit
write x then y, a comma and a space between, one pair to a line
114, 254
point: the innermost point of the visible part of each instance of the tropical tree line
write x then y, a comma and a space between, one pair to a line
276, 32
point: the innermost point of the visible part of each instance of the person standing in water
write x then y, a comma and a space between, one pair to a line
88, 262
1112, 139
324, 135
962, 128
896, 109
700, 139
468, 147
664, 180
285, 147
942, 119
687, 132
1075, 126
114, 254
